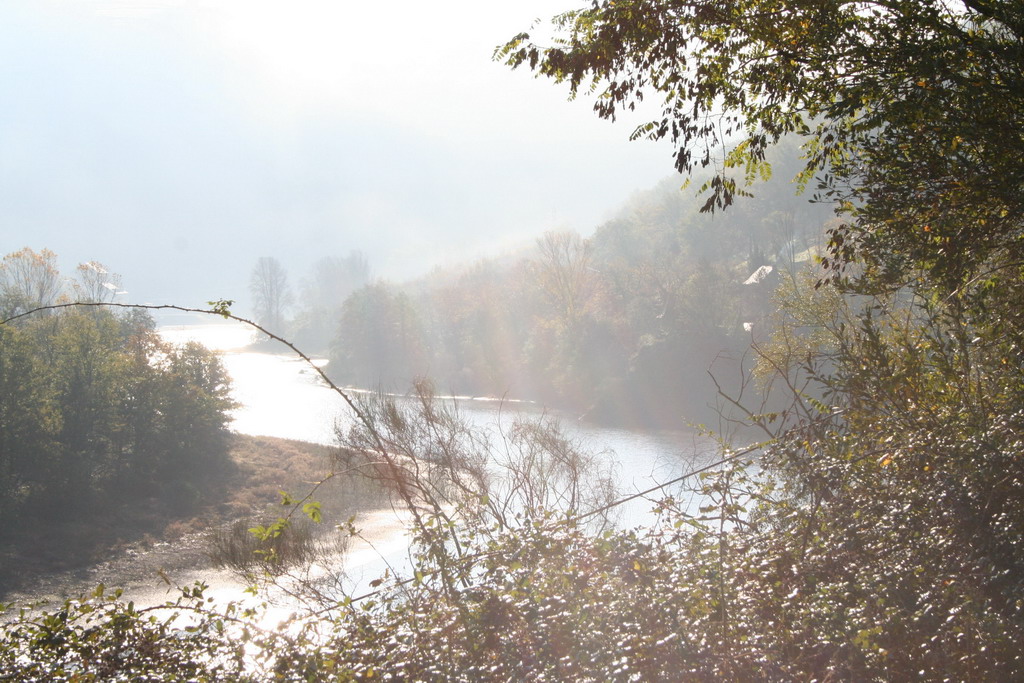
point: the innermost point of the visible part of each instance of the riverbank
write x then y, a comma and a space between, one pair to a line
119, 544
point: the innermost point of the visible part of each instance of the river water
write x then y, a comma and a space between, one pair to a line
280, 395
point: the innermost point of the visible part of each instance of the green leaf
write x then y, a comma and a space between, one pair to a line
312, 510
221, 307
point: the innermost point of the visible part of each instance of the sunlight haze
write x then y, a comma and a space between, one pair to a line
178, 140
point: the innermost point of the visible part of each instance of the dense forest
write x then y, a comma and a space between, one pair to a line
874, 532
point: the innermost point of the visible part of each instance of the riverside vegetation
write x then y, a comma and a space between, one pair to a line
874, 534
110, 436
98, 418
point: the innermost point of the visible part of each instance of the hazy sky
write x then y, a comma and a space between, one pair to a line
179, 140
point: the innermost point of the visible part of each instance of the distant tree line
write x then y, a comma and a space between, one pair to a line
93, 404
623, 326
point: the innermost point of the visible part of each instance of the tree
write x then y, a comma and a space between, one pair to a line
194, 399
380, 341
92, 401
28, 280
271, 294
887, 521
331, 281
912, 111
565, 275
562, 348
27, 417
95, 283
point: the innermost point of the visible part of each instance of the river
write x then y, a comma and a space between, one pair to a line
280, 395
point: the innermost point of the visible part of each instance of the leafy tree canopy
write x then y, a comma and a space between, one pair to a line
914, 105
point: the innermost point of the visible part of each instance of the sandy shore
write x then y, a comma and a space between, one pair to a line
139, 570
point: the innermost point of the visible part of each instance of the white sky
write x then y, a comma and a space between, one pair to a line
178, 140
